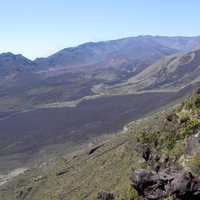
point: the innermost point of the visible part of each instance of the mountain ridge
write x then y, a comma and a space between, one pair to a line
129, 48
160, 39
74, 73
166, 142
170, 72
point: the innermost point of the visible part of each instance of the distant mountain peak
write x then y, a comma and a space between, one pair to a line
12, 63
12, 55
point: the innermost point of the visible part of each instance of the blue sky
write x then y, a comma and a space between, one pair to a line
39, 28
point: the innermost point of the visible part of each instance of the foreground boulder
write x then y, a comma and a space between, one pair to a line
185, 186
156, 186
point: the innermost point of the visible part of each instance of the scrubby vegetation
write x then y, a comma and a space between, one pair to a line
160, 142
172, 132
173, 146
194, 164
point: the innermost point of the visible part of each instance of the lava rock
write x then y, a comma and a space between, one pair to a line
193, 144
64, 171
172, 117
156, 186
198, 91
92, 150
186, 186
23, 193
39, 178
146, 153
105, 196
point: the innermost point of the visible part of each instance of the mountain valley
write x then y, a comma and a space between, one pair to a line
93, 107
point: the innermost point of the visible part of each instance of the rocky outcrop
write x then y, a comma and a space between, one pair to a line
39, 178
23, 192
61, 172
156, 186
105, 196
172, 117
193, 144
94, 149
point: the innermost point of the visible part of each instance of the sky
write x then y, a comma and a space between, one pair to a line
38, 28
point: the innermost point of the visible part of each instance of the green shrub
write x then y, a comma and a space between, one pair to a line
83, 196
132, 194
192, 103
178, 149
189, 104
169, 139
194, 164
184, 117
197, 101
180, 107
191, 126
148, 138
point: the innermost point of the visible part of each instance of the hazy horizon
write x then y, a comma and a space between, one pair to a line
73, 46
39, 29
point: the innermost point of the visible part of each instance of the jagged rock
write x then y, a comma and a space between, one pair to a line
198, 91
156, 143
184, 119
39, 178
181, 182
64, 171
91, 151
164, 159
146, 153
142, 179
105, 196
172, 117
186, 186
157, 167
156, 186
74, 156
156, 157
23, 193
197, 102
193, 144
